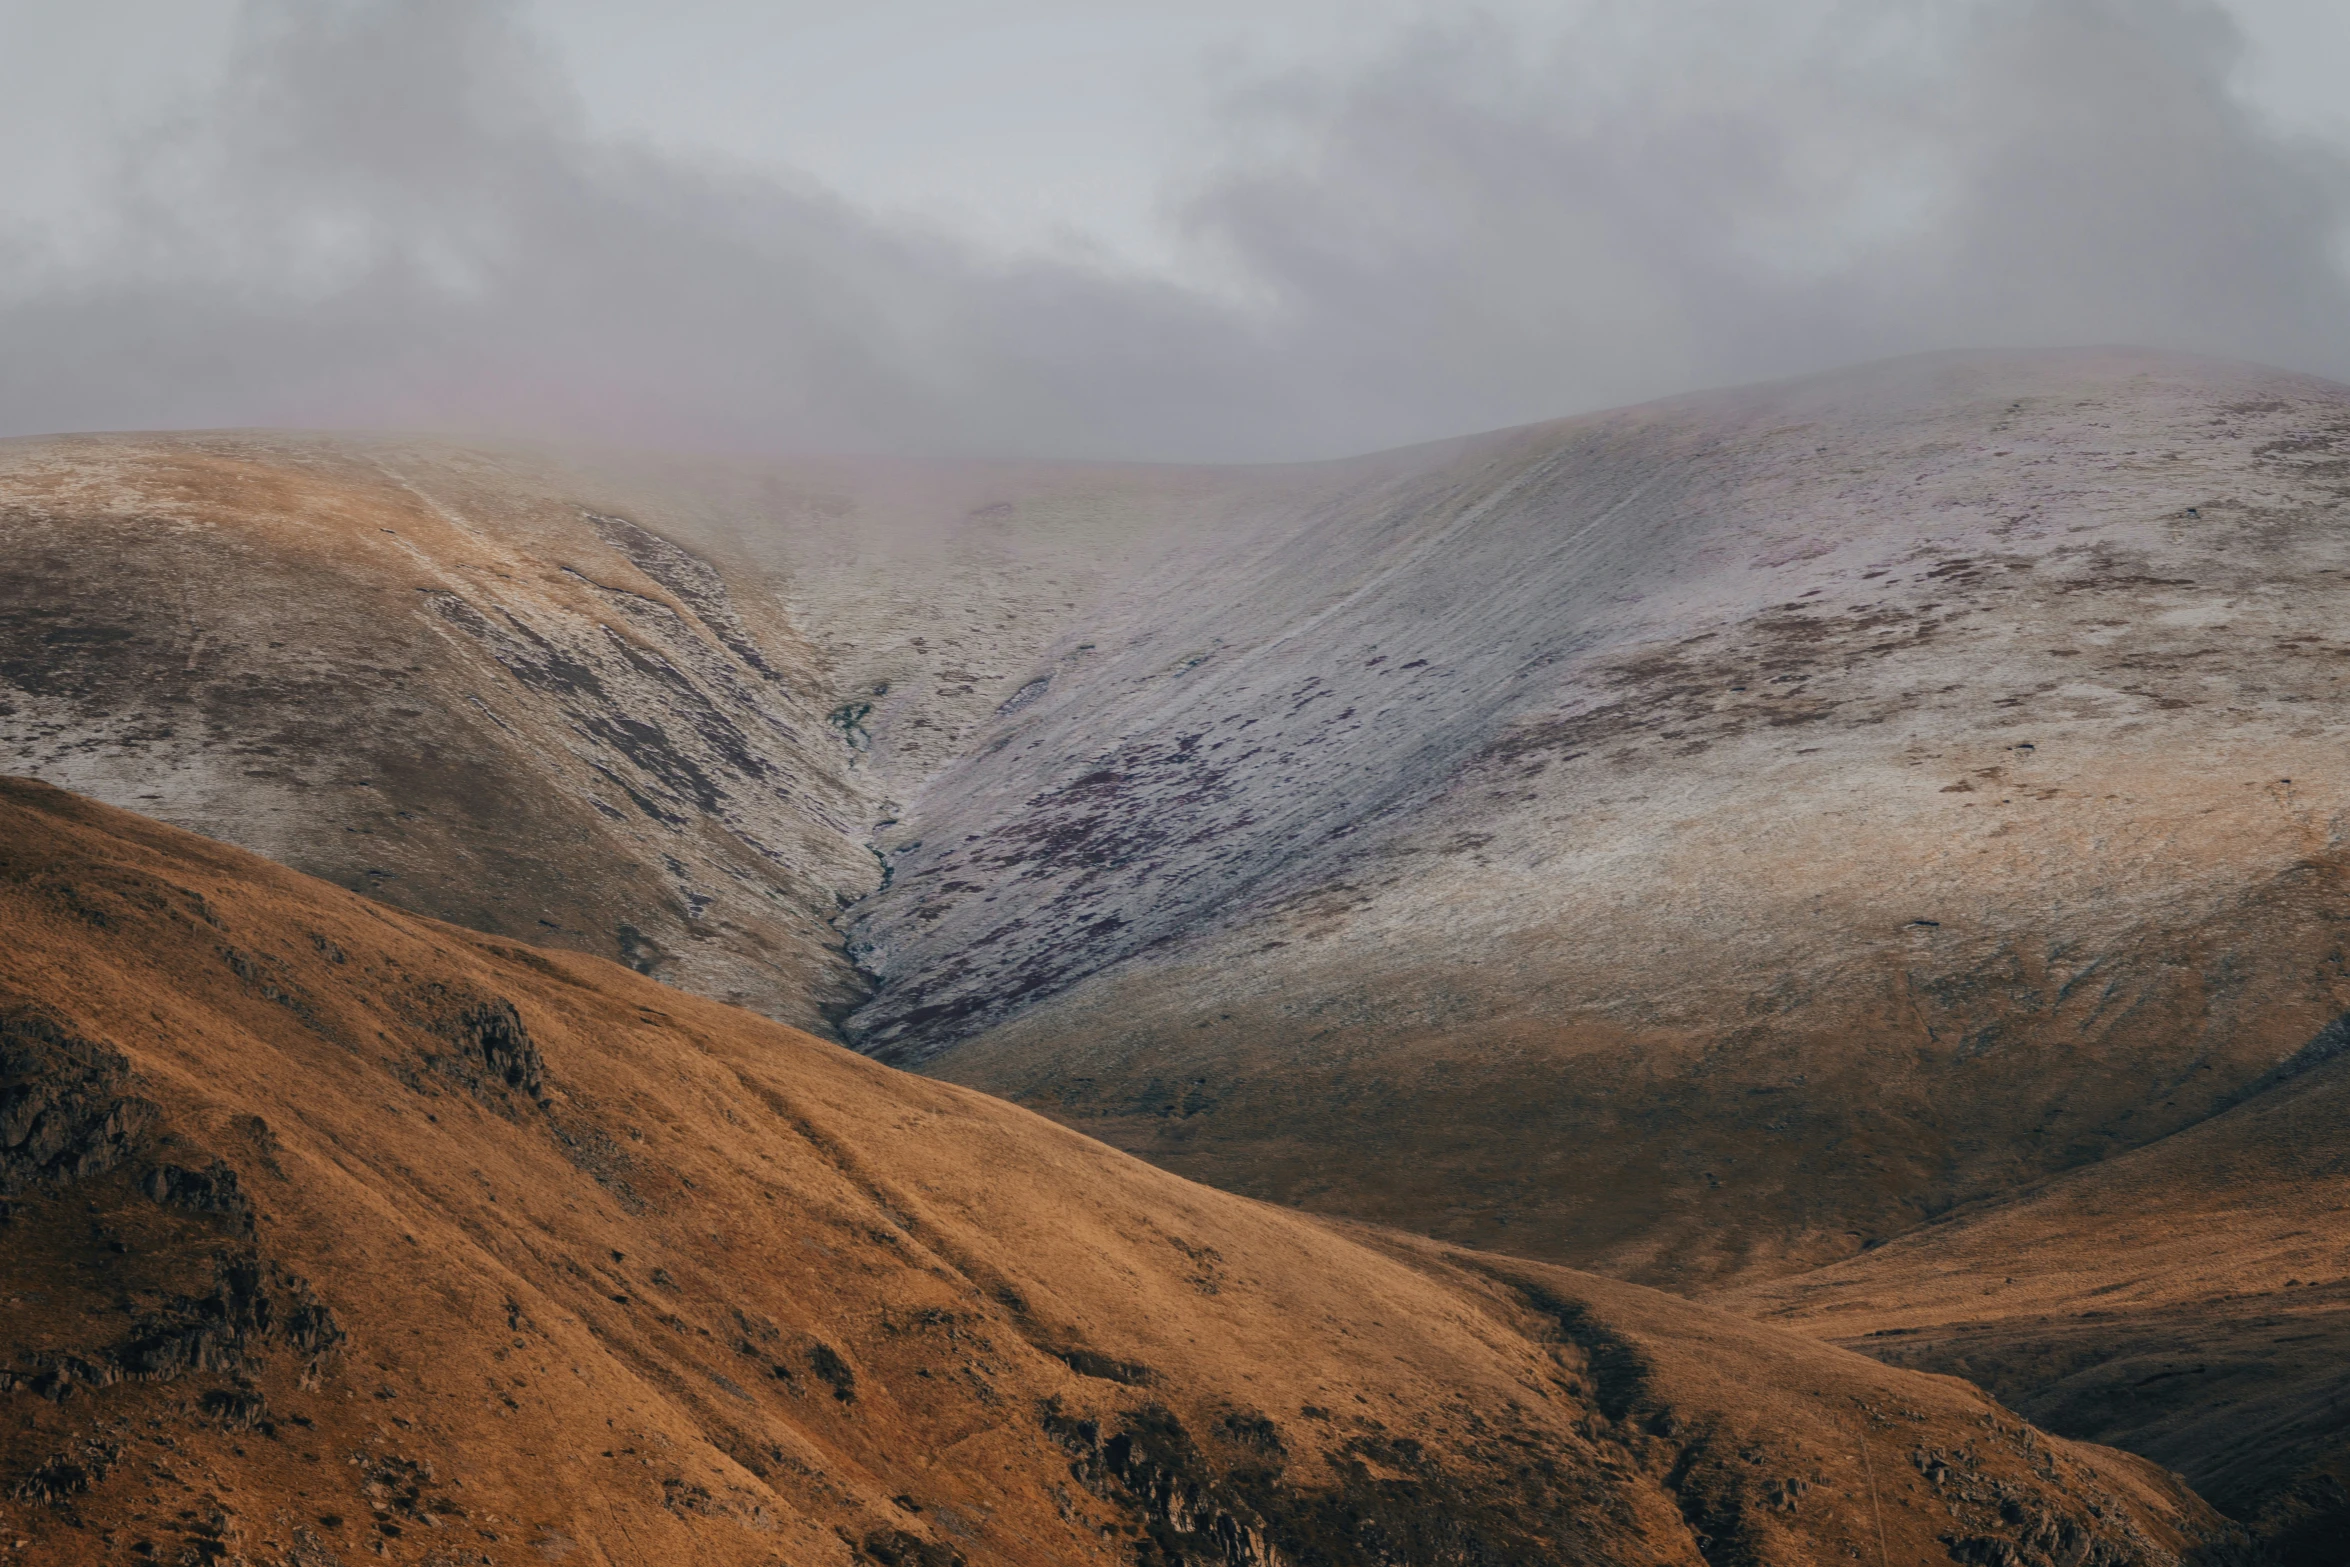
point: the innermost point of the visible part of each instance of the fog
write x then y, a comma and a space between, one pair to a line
403, 213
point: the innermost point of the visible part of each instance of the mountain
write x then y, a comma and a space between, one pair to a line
433, 680
1696, 841
334, 1233
1701, 843
2189, 1300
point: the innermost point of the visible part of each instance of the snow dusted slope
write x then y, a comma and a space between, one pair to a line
565, 696
423, 674
1696, 839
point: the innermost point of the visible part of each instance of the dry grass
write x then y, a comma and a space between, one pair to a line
340, 1234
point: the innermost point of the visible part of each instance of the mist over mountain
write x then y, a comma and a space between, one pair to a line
970, 872
403, 214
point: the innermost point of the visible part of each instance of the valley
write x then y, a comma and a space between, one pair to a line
1860, 852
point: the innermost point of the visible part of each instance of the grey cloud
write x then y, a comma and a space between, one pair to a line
394, 216
1486, 239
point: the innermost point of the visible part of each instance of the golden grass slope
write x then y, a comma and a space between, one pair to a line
337, 1235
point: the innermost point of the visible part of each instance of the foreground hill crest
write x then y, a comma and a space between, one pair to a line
336, 1235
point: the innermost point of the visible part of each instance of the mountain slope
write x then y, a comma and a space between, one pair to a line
335, 1233
2189, 1300
1695, 841
490, 685
435, 681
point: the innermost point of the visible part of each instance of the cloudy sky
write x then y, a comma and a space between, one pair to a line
1209, 230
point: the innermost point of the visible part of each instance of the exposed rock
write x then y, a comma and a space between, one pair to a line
66, 1112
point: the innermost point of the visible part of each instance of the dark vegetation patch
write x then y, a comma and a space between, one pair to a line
1782, 671
144, 1246
833, 1371
672, 737
1108, 1368
898, 1548
695, 582
1121, 821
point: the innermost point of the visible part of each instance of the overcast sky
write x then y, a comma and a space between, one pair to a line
1086, 227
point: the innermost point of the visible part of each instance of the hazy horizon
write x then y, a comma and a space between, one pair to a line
1119, 231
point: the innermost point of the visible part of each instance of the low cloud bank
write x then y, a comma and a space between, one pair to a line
393, 215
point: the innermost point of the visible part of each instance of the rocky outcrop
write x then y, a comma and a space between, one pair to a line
66, 1109
135, 1283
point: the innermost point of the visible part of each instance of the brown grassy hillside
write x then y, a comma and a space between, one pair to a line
2189, 1300
336, 1235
